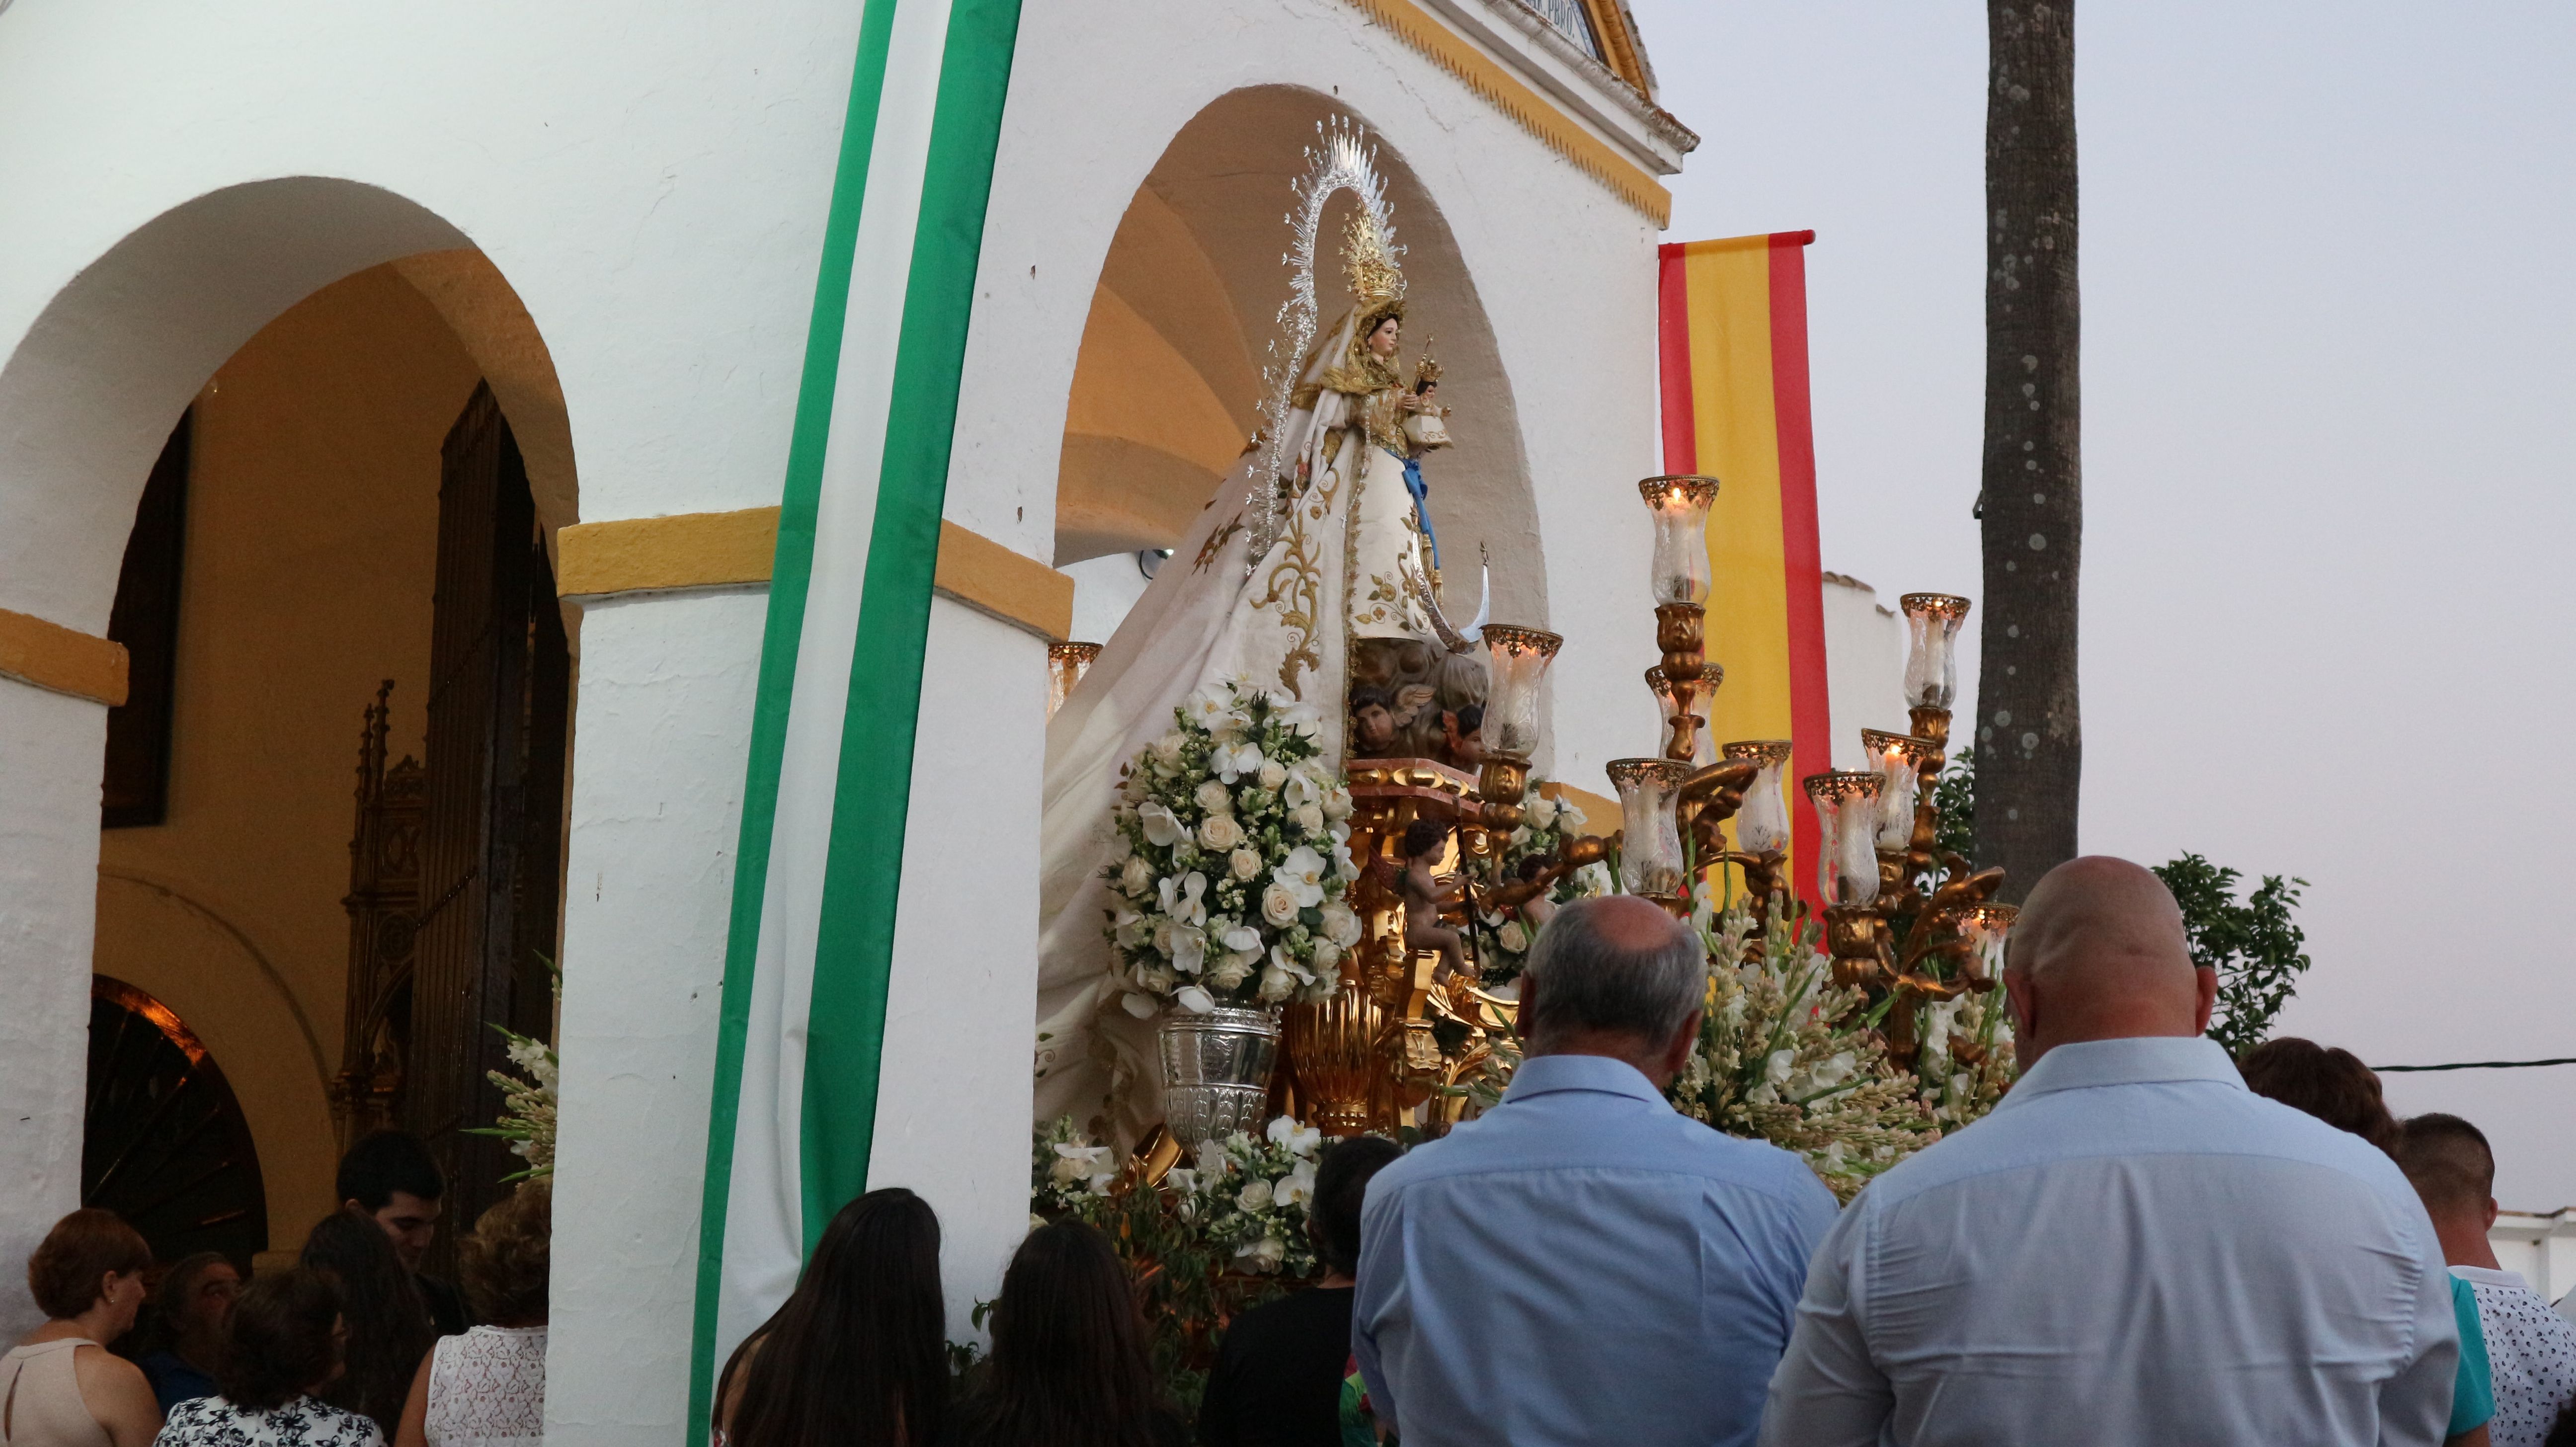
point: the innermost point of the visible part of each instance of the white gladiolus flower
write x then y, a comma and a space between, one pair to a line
1213, 798
1341, 924
1513, 937
1255, 1195
1189, 948
1193, 999
1775, 1069
1309, 817
1162, 827
1302, 875
1244, 863
1273, 773
1570, 816
1220, 833
1279, 904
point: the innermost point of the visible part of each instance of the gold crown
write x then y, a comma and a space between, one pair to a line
1377, 283
1427, 370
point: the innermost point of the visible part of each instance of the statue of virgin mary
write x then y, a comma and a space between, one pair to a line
1315, 543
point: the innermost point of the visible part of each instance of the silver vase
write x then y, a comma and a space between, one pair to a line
1216, 1071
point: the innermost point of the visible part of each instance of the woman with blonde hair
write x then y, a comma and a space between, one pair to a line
487, 1388
61, 1387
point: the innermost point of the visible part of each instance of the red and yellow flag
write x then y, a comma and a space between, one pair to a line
1734, 325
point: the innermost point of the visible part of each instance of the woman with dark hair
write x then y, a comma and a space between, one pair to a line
62, 1386
487, 1386
388, 1323
1281, 1369
858, 1355
2332, 1084
188, 1311
1068, 1366
284, 1346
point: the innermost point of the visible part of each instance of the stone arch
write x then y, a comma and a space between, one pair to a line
91, 390
1166, 387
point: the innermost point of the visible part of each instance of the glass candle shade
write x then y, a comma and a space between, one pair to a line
1516, 661
1846, 854
1931, 663
1987, 927
1680, 506
1650, 851
1762, 823
1896, 759
1066, 663
1710, 676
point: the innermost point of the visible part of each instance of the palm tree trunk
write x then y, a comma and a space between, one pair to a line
2029, 733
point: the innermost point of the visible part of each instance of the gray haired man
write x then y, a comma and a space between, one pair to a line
1584, 1264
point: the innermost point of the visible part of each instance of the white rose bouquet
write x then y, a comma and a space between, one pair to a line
1252, 1197
1231, 858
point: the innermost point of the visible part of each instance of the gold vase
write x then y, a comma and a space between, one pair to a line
1331, 1045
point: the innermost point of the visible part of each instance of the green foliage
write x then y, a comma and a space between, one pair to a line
2258, 950
1955, 795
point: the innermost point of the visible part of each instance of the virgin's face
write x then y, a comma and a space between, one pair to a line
1381, 343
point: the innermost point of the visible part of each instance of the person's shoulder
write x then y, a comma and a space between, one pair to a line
319, 1424
95, 1365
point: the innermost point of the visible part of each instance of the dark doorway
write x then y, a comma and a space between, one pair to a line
164, 1143
492, 817
145, 619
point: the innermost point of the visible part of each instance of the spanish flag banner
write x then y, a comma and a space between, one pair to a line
1734, 343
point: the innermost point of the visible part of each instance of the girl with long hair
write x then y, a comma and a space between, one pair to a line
858, 1355
1069, 1367
388, 1322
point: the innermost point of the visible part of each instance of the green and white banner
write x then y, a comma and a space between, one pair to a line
801, 1027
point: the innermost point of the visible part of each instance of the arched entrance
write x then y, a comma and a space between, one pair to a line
375, 457
1166, 389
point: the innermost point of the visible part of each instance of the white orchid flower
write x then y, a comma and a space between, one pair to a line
1193, 999
1240, 938
1300, 1140
1140, 1006
1189, 948
1292, 1191
1181, 898
1163, 828
1182, 1179
1302, 875
1281, 959
1301, 789
1236, 761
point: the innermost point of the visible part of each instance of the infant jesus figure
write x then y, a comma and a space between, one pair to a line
1424, 839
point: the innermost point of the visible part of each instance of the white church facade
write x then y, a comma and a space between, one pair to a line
336, 268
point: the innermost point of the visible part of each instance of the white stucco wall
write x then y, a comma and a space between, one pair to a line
1864, 665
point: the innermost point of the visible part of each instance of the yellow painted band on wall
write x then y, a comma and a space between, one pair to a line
1528, 109
689, 550
990, 578
64, 660
722, 549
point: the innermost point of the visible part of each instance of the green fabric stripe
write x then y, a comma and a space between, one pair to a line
863, 876
791, 576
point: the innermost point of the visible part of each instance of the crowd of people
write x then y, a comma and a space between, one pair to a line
2146, 1242
352, 1346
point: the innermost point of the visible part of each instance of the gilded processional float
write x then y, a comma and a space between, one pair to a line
1294, 850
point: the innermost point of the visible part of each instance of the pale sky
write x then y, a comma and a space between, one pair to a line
2329, 358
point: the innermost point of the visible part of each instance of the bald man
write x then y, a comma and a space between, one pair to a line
2133, 1248
1584, 1264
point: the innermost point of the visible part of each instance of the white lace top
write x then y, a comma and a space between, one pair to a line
487, 1388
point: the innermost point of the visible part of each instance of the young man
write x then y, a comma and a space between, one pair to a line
389, 1178
1280, 1373
2531, 1350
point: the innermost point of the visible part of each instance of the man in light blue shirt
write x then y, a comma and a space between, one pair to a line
2133, 1248
1584, 1264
